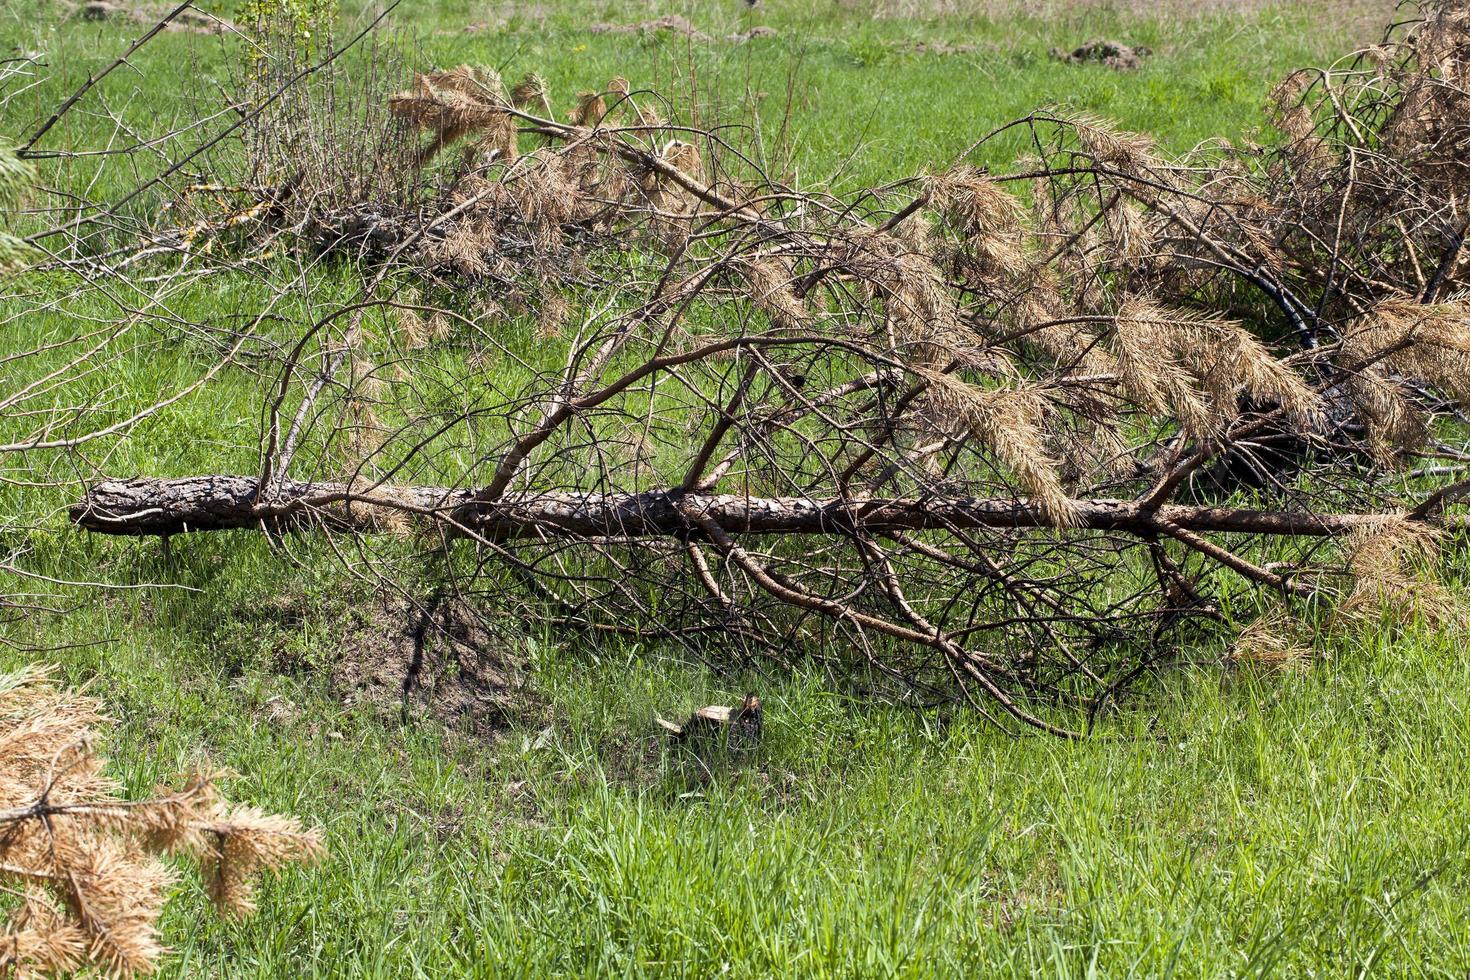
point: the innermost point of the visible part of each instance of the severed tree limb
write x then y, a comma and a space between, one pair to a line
151, 506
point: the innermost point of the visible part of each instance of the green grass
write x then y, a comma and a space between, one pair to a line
1286, 825
1232, 823
864, 106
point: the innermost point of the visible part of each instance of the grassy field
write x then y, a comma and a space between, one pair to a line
1229, 822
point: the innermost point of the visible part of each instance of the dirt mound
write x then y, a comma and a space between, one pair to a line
439, 661
680, 26
940, 47
191, 20
672, 23
1111, 54
760, 30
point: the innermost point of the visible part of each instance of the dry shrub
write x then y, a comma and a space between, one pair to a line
1011, 422
329, 141
1272, 643
87, 864
1397, 343
1428, 342
532, 92
769, 281
987, 218
1196, 366
1391, 568
452, 104
1120, 272
1372, 172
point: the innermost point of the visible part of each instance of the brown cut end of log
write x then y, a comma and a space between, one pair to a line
714, 714
705, 722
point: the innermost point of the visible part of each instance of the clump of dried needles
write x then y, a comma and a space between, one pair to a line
85, 866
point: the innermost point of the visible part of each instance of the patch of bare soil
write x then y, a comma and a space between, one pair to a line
440, 662
939, 47
681, 27
760, 30
672, 23
191, 20
1110, 54
1174, 10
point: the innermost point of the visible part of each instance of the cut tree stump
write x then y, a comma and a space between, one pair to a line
738, 727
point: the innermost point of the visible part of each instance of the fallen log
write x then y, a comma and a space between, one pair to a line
152, 506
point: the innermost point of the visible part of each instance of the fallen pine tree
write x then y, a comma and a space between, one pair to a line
989, 435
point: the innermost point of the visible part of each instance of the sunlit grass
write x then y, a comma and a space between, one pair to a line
1227, 823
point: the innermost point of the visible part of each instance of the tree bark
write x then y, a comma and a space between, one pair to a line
149, 506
